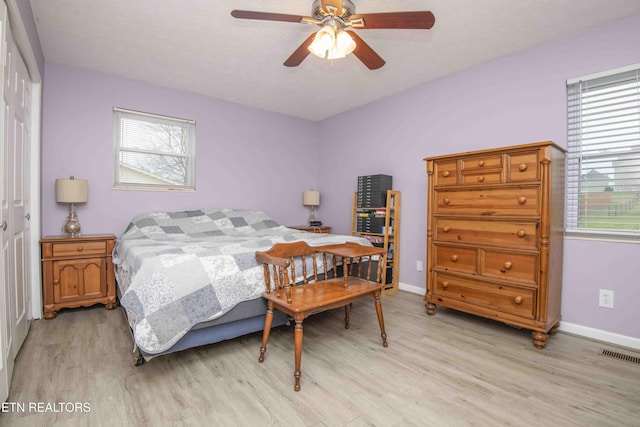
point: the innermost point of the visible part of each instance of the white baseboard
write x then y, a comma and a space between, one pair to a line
570, 328
600, 335
411, 288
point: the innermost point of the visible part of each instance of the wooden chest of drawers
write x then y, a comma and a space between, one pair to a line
495, 234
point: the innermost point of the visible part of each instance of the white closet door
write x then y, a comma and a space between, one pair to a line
19, 245
15, 237
6, 361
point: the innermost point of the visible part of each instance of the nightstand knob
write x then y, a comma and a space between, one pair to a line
522, 167
446, 173
445, 285
521, 233
454, 258
446, 229
480, 178
518, 299
80, 249
508, 265
481, 163
522, 200
446, 201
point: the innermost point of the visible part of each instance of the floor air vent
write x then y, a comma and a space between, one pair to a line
616, 355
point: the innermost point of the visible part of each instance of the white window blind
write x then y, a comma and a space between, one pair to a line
603, 163
153, 152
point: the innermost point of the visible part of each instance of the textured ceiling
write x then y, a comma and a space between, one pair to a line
196, 46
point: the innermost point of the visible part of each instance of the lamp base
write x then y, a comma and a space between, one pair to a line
312, 221
72, 224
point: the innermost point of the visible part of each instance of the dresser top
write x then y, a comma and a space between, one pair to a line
500, 149
81, 238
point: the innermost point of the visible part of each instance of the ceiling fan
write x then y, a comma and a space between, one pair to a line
336, 39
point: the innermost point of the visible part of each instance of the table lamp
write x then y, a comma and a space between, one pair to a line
311, 198
72, 191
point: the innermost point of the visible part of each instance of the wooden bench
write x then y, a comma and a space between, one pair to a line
302, 280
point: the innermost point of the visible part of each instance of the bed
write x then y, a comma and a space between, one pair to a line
190, 278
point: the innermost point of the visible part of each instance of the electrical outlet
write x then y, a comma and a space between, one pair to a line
606, 298
419, 265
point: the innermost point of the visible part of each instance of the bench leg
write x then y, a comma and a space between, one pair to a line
265, 333
383, 334
297, 337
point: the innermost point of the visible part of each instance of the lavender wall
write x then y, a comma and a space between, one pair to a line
246, 158
514, 100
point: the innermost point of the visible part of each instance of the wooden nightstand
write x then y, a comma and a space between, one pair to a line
323, 229
77, 271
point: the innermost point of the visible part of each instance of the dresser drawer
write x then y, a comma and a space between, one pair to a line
493, 201
494, 233
79, 248
481, 162
524, 167
489, 177
456, 259
513, 266
445, 172
507, 299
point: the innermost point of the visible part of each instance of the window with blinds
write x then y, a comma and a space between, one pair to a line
603, 163
153, 152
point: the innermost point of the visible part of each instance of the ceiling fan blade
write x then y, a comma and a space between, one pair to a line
397, 20
332, 7
300, 53
267, 16
363, 51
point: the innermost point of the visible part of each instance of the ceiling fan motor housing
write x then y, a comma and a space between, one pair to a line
348, 9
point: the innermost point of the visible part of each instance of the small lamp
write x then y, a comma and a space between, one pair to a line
72, 191
311, 198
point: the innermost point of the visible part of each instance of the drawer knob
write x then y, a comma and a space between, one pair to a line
446, 173
454, 258
518, 299
445, 285
522, 200
522, 167
80, 249
508, 265
446, 229
480, 163
522, 233
480, 178
446, 201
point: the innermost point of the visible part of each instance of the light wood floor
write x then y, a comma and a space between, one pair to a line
451, 369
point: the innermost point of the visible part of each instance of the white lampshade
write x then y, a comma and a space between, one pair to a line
311, 198
72, 190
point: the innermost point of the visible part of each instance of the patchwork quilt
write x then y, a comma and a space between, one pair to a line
193, 266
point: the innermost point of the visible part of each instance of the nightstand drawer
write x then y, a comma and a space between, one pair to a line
79, 248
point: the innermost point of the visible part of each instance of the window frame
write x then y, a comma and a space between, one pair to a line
189, 127
575, 156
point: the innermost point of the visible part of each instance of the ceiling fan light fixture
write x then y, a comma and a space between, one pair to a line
323, 42
332, 43
345, 43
